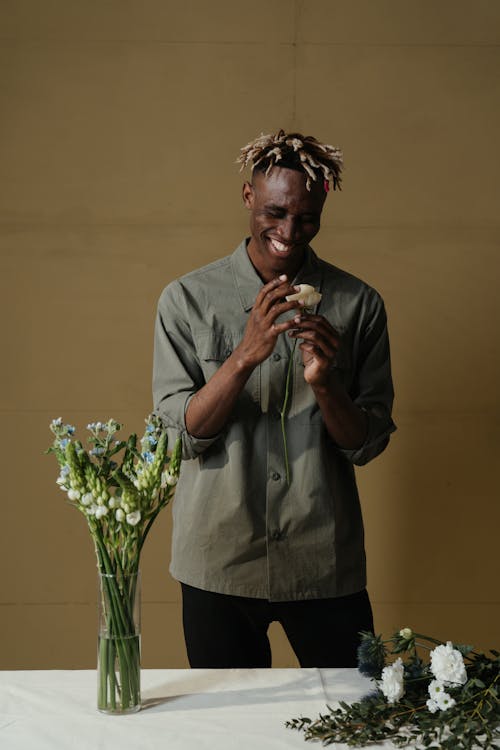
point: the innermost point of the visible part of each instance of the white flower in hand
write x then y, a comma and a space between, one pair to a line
447, 665
307, 295
392, 683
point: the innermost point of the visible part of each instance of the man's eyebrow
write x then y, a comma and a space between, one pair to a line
276, 207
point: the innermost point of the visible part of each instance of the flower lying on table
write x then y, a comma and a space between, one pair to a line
452, 701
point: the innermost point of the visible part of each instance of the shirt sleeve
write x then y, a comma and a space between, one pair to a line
177, 374
372, 387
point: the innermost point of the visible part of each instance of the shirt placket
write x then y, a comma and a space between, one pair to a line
276, 484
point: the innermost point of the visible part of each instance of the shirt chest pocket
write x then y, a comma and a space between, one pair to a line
214, 349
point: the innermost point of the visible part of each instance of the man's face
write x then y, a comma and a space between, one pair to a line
284, 218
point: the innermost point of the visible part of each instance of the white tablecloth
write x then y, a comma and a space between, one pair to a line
237, 709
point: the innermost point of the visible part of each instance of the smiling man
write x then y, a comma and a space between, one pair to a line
249, 547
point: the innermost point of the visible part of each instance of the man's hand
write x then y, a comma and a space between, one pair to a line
211, 407
345, 422
319, 346
262, 330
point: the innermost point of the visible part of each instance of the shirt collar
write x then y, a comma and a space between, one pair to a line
249, 283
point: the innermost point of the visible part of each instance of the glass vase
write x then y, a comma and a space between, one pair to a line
119, 643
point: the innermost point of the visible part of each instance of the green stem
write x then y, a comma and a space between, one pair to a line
150, 522
120, 640
284, 410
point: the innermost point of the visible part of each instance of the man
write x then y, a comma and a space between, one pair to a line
249, 547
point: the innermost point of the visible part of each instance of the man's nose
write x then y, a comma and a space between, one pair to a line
288, 228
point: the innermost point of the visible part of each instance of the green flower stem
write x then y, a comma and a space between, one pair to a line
110, 664
284, 410
122, 643
150, 523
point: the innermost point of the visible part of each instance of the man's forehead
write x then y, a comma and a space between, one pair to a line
283, 186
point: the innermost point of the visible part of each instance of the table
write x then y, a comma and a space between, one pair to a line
199, 709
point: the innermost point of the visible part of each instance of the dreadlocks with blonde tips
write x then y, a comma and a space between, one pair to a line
294, 151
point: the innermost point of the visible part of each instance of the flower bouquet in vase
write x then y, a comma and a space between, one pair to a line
120, 500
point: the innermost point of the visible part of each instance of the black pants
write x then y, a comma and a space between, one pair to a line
224, 631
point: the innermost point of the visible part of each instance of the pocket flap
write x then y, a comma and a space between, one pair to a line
213, 346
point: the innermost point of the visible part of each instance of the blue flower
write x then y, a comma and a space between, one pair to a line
152, 441
371, 655
148, 457
64, 442
56, 422
150, 428
97, 451
69, 429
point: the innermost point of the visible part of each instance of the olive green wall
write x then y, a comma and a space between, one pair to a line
120, 123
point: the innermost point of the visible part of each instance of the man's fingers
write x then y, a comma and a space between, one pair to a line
328, 345
320, 325
272, 293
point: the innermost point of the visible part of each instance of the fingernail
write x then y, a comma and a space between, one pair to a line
297, 319
283, 277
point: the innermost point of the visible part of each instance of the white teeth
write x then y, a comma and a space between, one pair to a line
279, 246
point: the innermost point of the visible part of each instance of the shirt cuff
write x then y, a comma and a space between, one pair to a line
377, 438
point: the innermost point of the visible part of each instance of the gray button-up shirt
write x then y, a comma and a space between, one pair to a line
238, 528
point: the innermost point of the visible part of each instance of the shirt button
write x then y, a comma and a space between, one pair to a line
275, 476
276, 357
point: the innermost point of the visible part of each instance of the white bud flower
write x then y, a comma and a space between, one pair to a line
101, 511
168, 479
112, 502
134, 517
87, 498
406, 633
73, 494
119, 515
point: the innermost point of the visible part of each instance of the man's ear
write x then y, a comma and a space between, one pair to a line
248, 194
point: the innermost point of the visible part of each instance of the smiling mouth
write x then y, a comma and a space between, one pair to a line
280, 247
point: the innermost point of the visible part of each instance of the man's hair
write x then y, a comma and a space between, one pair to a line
294, 151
